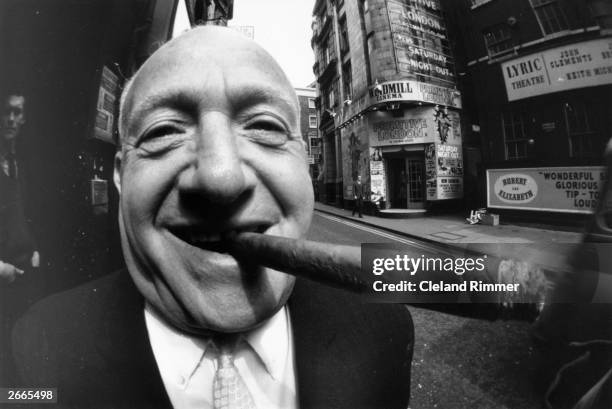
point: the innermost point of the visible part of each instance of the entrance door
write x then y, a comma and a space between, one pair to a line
397, 182
415, 171
405, 175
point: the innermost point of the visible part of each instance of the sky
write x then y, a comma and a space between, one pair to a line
283, 28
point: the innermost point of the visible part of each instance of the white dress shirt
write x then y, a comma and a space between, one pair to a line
264, 360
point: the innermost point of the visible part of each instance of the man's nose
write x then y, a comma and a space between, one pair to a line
216, 173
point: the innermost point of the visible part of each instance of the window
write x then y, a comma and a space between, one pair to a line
550, 15
312, 121
311, 103
579, 125
328, 97
348, 80
344, 41
477, 3
516, 137
498, 39
315, 142
331, 99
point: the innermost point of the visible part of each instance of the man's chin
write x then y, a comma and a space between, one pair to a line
245, 300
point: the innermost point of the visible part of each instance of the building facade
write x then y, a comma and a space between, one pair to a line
309, 127
536, 78
388, 100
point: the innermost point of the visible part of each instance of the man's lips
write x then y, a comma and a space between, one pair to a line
216, 239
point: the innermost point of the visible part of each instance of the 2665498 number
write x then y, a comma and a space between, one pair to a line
25, 395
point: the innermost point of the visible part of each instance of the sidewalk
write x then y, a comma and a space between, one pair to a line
454, 229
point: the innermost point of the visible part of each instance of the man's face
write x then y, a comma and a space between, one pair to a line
12, 116
211, 145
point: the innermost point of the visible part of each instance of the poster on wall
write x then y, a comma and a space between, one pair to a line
449, 160
355, 154
419, 125
443, 171
377, 176
449, 188
108, 91
420, 40
430, 172
566, 189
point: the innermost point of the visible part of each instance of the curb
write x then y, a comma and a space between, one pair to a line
387, 229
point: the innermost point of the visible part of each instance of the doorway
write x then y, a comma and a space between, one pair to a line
406, 181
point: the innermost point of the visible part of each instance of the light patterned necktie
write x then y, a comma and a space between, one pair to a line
229, 389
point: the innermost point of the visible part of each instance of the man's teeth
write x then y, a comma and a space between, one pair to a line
205, 238
202, 238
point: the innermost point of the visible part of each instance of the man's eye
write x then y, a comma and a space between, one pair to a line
267, 132
160, 139
160, 131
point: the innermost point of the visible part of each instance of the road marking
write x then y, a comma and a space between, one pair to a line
370, 230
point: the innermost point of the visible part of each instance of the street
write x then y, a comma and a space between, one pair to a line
458, 362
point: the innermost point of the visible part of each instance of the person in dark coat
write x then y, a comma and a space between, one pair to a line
210, 146
17, 250
358, 196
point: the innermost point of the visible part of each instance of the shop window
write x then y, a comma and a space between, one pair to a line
579, 124
312, 121
516, 135
498, 40
311, 103
550, 15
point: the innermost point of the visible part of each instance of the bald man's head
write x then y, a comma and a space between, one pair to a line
213, 41
210, 146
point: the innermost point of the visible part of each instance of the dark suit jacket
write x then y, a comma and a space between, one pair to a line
16, 247
91, 342
16, 244
358, 190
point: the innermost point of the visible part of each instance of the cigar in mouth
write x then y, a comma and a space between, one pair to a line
330, 264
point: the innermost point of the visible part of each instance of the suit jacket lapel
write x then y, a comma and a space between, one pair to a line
327, 358
123, 341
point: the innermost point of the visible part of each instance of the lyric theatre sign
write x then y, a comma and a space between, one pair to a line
579, 65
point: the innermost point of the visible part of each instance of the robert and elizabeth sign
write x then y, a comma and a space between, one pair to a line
567, 189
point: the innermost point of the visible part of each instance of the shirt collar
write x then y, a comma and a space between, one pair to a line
270, 341
187, 350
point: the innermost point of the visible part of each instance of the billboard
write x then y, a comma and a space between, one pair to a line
414, 91
551, 189
572, 66
417, 126
443, 171
418, 34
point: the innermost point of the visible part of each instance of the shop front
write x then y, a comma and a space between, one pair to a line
408, 156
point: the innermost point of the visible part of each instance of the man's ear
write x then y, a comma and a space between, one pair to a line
117, 170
